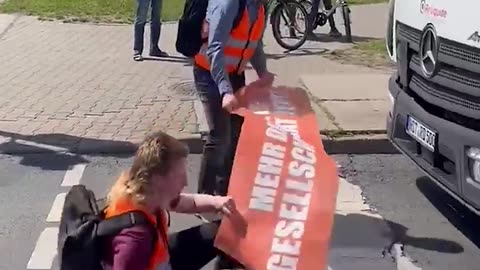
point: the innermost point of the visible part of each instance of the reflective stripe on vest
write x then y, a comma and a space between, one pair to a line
241, 45
160, 257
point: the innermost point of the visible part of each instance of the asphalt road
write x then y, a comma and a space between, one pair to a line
436, 231
29, 185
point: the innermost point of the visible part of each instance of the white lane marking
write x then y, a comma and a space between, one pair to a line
73, 175
57, 208
403, 261
46, 247
4, 139
45, 250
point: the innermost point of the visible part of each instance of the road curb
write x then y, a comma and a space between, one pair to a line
357, 144
85, 146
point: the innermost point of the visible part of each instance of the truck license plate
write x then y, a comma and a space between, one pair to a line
421, 133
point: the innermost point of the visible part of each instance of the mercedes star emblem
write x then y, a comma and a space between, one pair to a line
429, 51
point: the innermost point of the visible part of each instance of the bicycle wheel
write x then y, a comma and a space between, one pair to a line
286, 14
347, 21
307, 5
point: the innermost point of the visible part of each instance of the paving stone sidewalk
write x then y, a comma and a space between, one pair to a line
76, 84
80, 80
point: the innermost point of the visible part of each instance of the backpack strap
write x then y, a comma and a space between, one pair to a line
236, 21
114, 225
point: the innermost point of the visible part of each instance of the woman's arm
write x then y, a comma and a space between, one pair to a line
198, 203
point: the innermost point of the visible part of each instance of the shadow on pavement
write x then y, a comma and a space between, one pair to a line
171, 59
320, 37
359, 241
66, 150
400, 235
296, 53
362, 230
459, 215
51, 161
305, 51
63, 150
58, 142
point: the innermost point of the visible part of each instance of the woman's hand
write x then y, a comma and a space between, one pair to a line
224, 204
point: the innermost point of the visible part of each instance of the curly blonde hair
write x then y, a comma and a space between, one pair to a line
156, 155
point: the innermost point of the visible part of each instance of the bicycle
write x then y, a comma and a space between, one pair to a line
322, 16
288, 7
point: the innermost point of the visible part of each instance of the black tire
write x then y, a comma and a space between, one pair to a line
277, 19
347, 21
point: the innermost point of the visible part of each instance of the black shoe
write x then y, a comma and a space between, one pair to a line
158, 53
335, 33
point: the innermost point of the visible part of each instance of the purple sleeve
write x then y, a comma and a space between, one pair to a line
132, 248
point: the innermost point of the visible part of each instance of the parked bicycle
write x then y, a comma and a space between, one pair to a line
290, 13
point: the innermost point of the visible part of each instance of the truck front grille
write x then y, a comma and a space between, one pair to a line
456, 86
455, 50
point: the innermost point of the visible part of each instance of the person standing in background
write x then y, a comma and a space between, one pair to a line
155, 28
331, 20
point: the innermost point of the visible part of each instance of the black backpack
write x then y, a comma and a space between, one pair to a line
189, 33
83, 226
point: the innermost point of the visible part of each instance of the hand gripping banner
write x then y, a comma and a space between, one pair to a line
284, 185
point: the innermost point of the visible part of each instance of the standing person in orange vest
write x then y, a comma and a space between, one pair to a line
233, 30
152, 186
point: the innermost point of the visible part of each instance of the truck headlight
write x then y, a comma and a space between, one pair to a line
392, 104
474, 163
390, 37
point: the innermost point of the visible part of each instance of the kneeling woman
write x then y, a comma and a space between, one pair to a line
153, 185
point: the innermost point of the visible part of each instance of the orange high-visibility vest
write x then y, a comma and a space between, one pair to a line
160, 257
241, 46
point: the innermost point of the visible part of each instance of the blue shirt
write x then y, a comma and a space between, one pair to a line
220, 16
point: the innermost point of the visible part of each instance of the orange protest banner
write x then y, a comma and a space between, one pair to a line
284, 185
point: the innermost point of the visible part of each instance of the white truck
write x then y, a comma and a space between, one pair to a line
435, 115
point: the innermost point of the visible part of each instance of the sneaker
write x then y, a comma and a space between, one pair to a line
335, 33
137, 57
158, 53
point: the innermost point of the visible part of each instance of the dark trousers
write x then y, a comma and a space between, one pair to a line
141, 20
192, 249
221, 143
